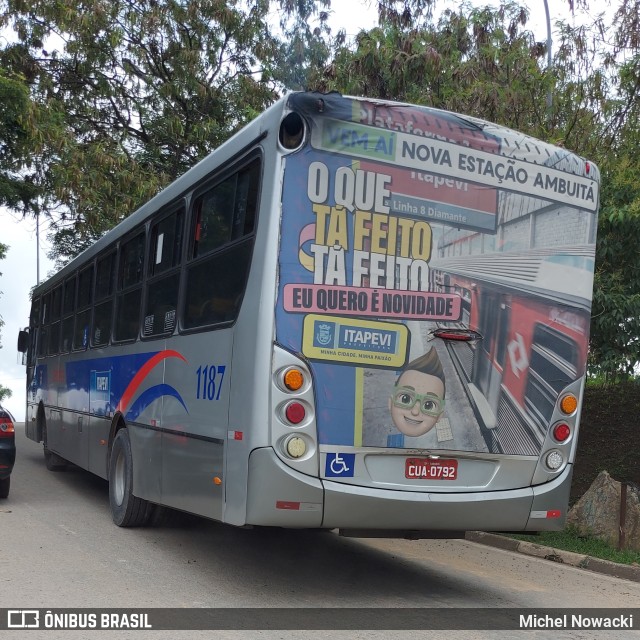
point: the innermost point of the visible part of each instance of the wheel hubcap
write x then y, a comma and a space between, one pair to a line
118, 480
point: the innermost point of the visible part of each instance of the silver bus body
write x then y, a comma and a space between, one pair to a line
346, 239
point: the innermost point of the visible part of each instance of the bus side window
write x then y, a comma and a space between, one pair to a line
246, 201
43, 338
214, 217
221, 248
164, 276
101, 332
54, 329
34, 317
129, 298
215, 287
34, 331
83, 314
68, 309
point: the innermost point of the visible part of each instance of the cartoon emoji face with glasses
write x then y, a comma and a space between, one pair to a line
417, 400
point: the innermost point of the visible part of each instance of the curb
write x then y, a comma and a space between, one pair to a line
627, 572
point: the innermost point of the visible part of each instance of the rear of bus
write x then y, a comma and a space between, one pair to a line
432, 317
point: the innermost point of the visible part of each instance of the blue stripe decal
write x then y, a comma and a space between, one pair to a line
151, 395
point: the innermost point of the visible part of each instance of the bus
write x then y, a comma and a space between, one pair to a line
355, 314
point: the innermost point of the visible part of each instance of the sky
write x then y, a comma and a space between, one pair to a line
18, 269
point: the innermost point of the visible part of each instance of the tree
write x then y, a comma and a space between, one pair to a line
17, 190
478, 61
305, 42
140, 91
615, 327
5, 393
610, 55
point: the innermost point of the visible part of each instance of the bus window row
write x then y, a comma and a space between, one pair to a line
132, 290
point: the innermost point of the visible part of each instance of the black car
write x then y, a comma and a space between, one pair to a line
7, 450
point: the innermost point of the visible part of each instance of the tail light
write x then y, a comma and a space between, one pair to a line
558, 450
561, 432
462, 335
295, 447
554, 460
292, 379
6, 428
293, 427
295, 412
568, 404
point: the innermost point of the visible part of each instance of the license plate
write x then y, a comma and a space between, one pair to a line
429, 469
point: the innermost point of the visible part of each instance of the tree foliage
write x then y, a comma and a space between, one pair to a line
615, 325
17, 190
111, 100
475, 61
139, 91
305, 42
5, 393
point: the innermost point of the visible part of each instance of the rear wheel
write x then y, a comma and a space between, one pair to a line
127, 510
5, 483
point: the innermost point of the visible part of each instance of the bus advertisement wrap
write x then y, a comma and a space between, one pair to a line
413, 216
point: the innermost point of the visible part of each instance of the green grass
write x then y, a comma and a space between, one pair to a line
570, 540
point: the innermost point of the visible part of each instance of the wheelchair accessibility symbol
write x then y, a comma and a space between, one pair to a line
340, 465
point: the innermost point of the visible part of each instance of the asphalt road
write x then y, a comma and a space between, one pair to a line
59, 548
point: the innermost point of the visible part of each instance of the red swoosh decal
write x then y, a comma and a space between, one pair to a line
143, 372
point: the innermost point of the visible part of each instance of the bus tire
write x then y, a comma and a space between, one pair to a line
167, 517
127, 510
52, 460
5, 483
162, 516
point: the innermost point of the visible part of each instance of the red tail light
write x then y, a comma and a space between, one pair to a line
6, 428
465, 335
295, 412
561, 432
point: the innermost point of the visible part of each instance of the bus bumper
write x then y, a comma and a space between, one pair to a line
540, 508
280, 496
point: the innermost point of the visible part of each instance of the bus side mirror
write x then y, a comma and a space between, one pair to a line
23, 341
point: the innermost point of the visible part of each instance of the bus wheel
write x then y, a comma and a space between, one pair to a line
53, 461
126, 509
5, 483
